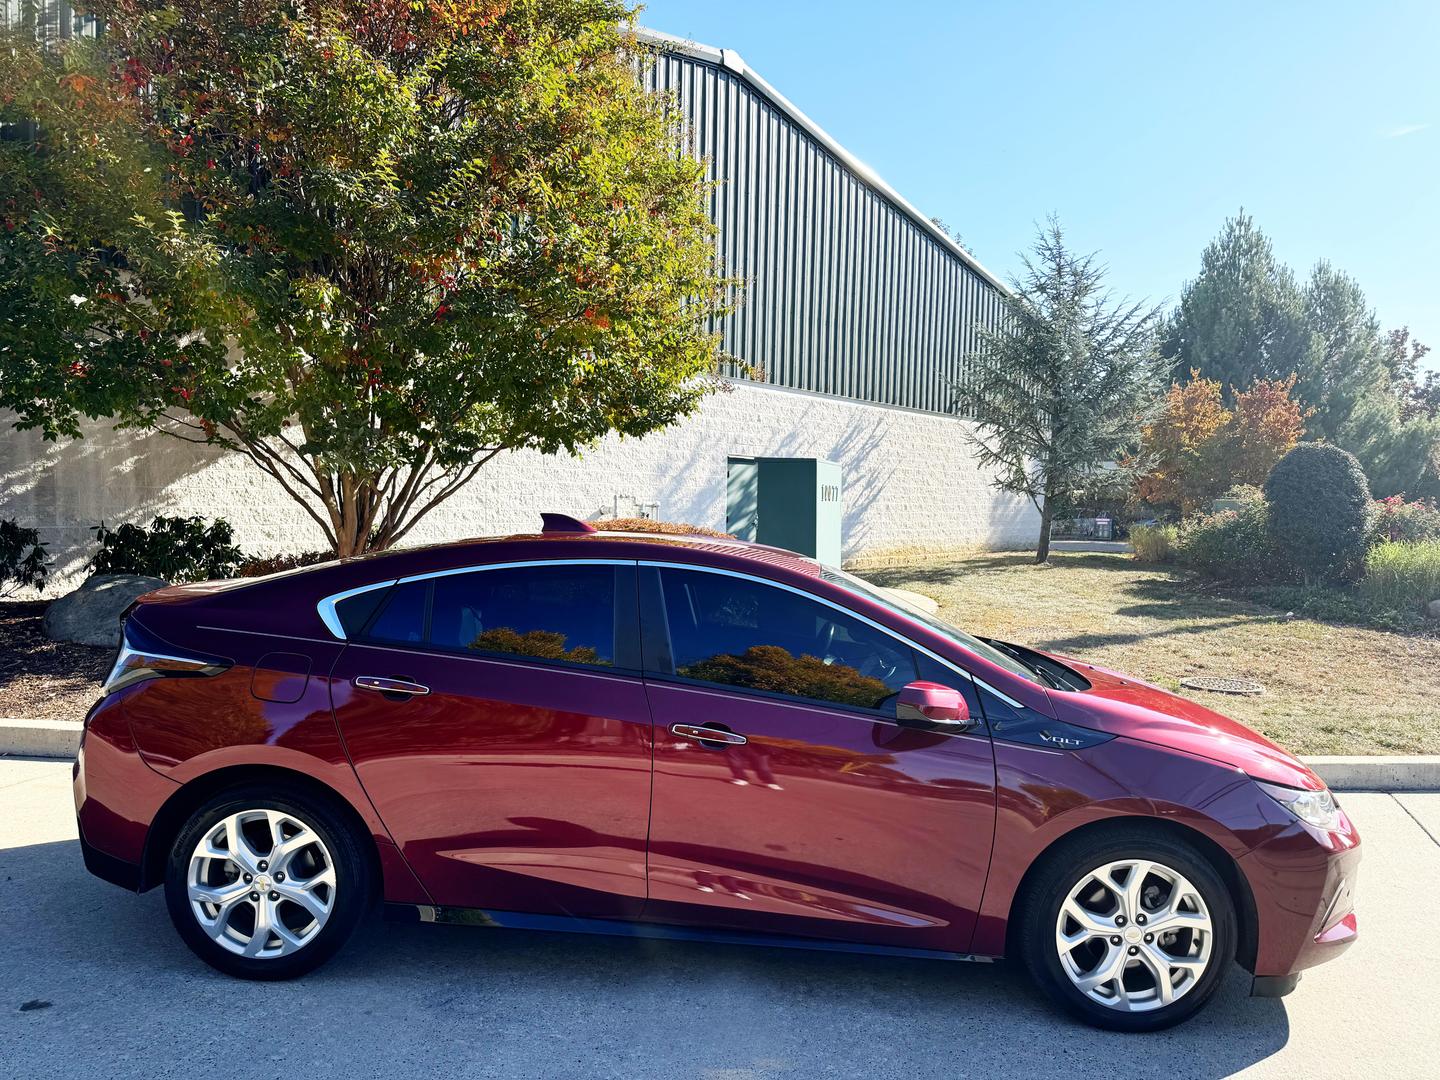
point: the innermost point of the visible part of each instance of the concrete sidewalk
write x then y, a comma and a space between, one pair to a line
109, 990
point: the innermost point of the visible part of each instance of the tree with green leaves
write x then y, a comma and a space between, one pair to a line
1347, 364
370, 244
1243, 317
1061, 391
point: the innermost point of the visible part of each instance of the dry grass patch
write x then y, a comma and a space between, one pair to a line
1328, 689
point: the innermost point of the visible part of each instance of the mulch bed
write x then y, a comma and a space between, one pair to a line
42, 679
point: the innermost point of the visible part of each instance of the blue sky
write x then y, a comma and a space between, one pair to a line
1142, 125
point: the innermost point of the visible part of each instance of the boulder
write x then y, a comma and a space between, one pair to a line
91, 614
1433, 609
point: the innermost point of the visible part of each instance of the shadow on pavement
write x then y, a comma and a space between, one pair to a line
125, 997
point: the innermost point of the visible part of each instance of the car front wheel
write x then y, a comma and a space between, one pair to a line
1132, 933
265, 883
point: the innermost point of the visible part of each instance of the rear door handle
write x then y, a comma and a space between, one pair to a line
707, 735
390, 686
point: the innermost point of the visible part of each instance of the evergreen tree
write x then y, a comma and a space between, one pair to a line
1243, 317
1347, 364
1062, 390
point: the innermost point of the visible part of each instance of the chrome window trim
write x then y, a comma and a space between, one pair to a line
326, 607
844, 611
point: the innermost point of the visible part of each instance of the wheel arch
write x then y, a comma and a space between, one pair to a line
176, 810
1219, 859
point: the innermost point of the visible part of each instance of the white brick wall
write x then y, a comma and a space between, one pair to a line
911, 481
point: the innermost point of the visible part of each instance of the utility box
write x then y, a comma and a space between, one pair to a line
787, 502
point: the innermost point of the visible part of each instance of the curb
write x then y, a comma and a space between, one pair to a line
39, 738
1409, 773
61, 739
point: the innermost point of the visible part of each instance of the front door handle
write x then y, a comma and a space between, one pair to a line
707, 736
403, 687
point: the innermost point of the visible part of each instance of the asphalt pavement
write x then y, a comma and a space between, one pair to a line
94, 982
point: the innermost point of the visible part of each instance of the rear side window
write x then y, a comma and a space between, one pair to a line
402, 619
563, 613
550, 613
747, 634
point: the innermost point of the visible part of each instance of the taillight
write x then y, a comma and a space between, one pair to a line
143, 656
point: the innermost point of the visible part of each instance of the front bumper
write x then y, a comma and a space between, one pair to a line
1303, 884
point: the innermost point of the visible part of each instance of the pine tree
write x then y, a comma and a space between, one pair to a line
1243, 317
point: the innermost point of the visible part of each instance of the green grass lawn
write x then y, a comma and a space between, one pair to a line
1329, 689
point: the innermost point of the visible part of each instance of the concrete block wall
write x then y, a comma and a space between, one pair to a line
911, 481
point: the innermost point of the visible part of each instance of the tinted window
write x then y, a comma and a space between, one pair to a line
741, 633
355, 611
550, 612
403, 616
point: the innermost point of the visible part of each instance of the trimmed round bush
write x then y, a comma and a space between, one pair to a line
1320, 512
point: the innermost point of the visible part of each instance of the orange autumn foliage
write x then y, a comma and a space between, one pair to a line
1202, 447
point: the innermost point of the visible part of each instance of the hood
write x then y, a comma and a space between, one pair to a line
1120, 705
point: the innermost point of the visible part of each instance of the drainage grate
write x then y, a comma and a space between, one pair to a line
1222, 684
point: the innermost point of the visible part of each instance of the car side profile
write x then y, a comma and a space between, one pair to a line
695, 738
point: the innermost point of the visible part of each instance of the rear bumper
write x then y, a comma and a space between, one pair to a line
108, 867
116, 797
1303, 883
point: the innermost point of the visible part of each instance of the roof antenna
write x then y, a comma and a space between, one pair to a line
564, 523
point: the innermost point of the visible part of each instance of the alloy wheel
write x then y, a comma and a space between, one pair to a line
261, 883
1134, 935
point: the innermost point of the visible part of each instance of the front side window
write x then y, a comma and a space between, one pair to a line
743, 633
562, 612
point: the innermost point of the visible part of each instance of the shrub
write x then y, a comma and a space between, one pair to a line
1320, 512
22, 559
669, 528
1154, 543
1229, 543
262, 565
173, 548
1405, 577
1405, 522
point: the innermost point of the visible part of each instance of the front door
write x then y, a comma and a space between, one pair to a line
808, 812
498, 722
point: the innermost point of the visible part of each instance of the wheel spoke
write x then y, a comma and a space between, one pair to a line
1159, 965
1110, 968
306, 897
264, 923
285, 850
1090, 925
1130, 892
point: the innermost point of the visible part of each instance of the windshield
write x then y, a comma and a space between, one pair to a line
885, 598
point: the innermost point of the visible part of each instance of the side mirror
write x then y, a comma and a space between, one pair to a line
928, 704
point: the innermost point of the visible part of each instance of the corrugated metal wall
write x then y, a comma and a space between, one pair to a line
845, 293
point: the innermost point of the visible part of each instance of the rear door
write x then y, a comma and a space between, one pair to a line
809, 812
497, 719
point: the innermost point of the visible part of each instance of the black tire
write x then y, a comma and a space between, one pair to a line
354, 888
1065, 867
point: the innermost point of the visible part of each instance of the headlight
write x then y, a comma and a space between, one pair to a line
1317, 808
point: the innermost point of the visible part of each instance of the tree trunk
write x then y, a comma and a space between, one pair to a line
1042, 546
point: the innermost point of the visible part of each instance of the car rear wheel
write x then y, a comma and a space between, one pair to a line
266, 882
1129, 931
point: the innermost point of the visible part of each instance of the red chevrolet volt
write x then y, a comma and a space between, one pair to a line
691, 738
